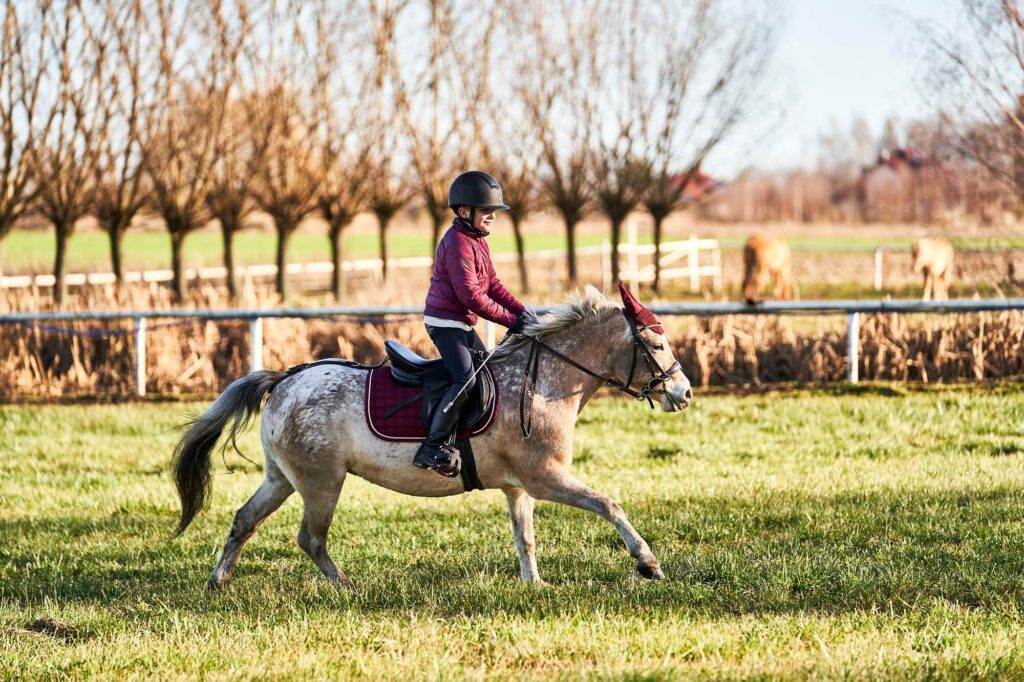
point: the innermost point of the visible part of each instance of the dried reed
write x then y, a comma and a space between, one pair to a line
200, 358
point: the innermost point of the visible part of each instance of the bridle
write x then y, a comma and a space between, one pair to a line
659, 376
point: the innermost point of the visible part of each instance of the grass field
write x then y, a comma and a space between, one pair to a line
31, 251
873, 533
89, 251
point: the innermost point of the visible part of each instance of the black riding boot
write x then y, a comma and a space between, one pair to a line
437, 452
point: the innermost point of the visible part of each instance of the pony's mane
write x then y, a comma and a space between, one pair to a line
577, 309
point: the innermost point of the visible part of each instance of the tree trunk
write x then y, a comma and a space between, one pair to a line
60, 291
228, 233
3, 298
616, 238
382, 236
178, 283
435, 235
283, 232
336, 260
517, 232
116, 235
657, 252
570, 235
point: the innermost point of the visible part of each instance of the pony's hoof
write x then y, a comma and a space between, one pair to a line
213, 584
345, 584
650, 570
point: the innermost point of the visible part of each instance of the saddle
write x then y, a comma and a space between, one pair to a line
401, 399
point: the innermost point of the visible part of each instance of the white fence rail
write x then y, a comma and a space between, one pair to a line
672, 252
851, 309
678, 259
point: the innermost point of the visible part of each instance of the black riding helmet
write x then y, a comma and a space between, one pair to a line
476, 189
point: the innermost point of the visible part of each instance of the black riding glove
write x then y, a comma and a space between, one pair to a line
522, 319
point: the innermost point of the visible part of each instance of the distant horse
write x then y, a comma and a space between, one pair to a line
933, 257
314, 432
766, 256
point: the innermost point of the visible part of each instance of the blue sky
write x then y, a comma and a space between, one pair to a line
835, 60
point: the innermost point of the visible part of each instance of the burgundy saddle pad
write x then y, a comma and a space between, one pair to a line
406, 424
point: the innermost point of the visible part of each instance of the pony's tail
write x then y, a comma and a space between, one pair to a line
191, 465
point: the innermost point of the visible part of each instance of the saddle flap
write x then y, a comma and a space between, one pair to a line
397, 411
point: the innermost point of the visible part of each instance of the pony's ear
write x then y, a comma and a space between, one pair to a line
593, 293
637, 312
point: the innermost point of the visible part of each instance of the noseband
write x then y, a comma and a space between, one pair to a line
640, 349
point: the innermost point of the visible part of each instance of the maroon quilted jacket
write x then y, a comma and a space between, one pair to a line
464, 284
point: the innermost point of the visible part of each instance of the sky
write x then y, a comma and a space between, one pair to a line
835, 60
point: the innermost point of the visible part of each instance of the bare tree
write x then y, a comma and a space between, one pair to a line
291, 170
70, 157
27, 112
976, 75
181, 135
433, 133
389, 192
343, 196
558, 102
520, 191
229, 197
344, 154
699, 87
619, 184
388, 188
122, 189
619, 174
236, 156
494, 118
662, 198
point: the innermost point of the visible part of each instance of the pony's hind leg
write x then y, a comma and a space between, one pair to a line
274, 490
320, 499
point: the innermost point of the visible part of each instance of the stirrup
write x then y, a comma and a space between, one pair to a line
444, 459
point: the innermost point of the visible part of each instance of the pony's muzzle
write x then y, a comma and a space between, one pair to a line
676, 397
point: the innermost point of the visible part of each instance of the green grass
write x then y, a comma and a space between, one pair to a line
89, 251
868, 533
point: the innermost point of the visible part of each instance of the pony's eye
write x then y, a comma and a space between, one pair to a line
657, 346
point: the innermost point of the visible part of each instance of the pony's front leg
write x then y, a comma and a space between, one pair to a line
520, 511
558, 485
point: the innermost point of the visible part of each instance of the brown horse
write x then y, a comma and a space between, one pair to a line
766, 256
314, 433
933, 258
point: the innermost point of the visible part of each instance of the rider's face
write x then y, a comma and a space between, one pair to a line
484, 217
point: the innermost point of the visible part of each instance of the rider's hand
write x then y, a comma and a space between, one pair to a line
522, 319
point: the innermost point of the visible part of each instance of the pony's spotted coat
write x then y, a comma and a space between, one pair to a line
314, 434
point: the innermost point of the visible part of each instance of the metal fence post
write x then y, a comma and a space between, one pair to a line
255, 344
140, 356
852, 347
878, 269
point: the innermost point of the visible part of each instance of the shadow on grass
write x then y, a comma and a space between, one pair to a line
775, 553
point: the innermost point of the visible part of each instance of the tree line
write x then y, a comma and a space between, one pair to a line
212, 110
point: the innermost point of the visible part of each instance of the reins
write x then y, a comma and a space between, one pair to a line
658, 375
